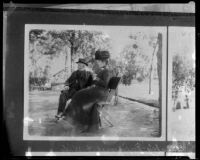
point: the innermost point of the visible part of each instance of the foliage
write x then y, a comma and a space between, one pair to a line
137, 57
183, 74
44, 46
37, 81
82, 42
127, 78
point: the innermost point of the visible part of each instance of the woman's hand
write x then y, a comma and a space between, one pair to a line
97, 79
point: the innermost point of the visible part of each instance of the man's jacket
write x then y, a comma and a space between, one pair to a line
79, 80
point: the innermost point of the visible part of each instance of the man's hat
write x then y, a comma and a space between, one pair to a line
82, 60
102, 55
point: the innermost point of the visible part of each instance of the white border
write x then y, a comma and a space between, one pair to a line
26, 81
191, 155
29, 153
29, 27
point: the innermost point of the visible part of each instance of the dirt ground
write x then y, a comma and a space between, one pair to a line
129, 119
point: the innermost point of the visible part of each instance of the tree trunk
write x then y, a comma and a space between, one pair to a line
150, 77
68, 61
151, 67
72, 53
66, 56
159, 71
159, 66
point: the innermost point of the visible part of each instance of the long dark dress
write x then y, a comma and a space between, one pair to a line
83, 106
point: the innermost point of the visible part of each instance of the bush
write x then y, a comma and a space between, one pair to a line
183, 75
37, 81
140, 79
126, 79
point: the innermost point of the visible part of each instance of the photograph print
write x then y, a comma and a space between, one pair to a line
181, 80
92, 82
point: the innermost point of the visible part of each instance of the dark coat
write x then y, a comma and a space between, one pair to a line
79, 80
80, 107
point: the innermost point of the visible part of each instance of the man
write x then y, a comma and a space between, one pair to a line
81, 78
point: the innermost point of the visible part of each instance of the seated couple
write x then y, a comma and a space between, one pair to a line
85, 91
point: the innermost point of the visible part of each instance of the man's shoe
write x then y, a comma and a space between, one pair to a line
58, 116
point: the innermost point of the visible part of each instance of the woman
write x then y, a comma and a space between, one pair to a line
83, 106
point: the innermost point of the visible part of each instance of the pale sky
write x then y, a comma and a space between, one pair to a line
182, 41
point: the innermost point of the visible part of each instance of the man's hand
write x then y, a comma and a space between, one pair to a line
66, 87
94, 75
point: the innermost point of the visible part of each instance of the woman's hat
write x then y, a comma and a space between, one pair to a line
82, 60
102, 55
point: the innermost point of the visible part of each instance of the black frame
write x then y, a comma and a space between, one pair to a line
13, 62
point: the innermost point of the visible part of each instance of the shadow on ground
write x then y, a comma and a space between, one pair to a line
129, 119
